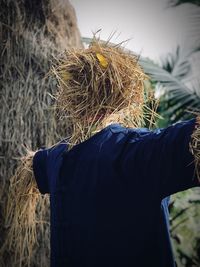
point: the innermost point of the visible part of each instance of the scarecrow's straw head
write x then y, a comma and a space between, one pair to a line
99, 81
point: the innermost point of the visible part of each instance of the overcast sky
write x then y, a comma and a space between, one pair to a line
153, 28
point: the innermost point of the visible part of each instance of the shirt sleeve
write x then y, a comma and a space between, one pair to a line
40, 170
162, 159
46, 166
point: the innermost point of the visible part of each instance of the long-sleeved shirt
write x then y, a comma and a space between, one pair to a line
109, 195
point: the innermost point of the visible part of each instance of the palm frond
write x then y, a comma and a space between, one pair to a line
173, 3
178, 98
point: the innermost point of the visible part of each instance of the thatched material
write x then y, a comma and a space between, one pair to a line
20, 213
195, 147
98, 85
31, 33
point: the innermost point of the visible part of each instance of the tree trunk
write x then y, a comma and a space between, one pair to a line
32, 33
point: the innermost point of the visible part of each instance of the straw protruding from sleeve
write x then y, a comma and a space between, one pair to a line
195, 147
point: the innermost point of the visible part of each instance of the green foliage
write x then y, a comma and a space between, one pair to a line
184, 221
171, 78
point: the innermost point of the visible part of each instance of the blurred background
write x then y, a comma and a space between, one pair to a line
166, 35
152, 27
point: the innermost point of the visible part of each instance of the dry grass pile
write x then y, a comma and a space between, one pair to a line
102, 83
25, 217
20, 213
31, 32
195, 147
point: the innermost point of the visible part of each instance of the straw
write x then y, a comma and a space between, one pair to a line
195, 147
32, 32
21, 213
98, 85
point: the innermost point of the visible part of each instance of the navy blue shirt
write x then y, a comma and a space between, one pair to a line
109, 195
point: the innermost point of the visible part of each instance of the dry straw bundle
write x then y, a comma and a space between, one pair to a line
21, 213
195, 147
97, 85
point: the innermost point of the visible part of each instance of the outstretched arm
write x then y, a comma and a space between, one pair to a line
165, 160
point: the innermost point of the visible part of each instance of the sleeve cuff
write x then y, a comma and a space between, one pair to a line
39, 169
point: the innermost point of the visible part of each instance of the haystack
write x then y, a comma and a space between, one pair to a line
32, 32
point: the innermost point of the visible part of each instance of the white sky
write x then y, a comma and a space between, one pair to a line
153, 28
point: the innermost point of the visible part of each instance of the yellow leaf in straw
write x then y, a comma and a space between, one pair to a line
102, 60
65, 75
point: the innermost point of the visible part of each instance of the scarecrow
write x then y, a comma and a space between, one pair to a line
109, 180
